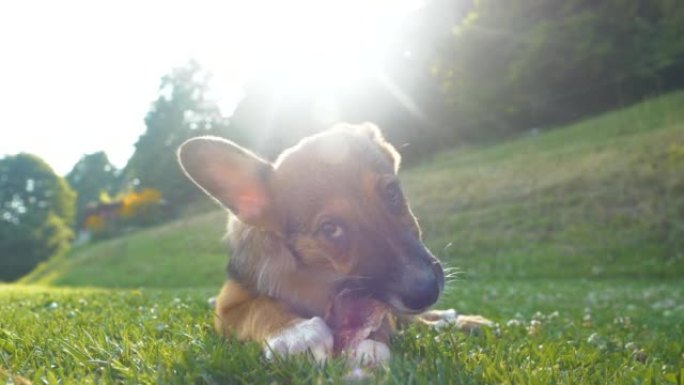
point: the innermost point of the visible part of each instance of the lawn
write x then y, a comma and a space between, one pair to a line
571, 240
550, 332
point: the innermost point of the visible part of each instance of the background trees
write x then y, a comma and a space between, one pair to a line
91, 176
484, 70
509, 66
36, 212
182, 110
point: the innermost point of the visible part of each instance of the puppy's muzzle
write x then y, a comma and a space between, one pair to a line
419, 283
424, 290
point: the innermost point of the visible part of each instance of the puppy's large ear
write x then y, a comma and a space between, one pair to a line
232, 175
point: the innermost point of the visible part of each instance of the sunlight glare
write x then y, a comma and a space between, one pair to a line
98, 85
313, 46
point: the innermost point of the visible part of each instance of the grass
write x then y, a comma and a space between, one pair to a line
572, 240
188, 253
559, 332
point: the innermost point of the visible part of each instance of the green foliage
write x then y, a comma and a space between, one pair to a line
36, 211
481, 71
92, 175
182, 110
524, 63
561, 332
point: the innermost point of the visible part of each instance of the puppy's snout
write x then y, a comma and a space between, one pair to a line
422, 293
424, 288
418, 283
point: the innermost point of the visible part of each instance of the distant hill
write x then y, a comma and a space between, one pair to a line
603, 197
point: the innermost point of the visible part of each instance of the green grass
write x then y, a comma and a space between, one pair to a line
585, 332
188, 252
572, 240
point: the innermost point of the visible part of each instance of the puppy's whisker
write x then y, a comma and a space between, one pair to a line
457, 276
447, 246
452, 274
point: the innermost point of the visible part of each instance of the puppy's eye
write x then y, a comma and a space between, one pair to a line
332, 231
393, 193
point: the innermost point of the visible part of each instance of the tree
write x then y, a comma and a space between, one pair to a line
36, 212
181, 111
90, 176
517, 64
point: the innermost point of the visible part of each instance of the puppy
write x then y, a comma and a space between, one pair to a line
327, 217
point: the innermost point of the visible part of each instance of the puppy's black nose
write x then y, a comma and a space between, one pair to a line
422, 294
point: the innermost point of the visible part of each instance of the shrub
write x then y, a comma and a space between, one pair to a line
36, 212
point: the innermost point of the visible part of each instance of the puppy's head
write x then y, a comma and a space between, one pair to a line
335, 201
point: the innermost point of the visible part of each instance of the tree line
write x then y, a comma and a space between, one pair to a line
460, 72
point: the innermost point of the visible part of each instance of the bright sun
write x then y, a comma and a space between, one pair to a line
308, 45
90, 69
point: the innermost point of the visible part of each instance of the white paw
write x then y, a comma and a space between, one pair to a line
308, 335
443, 318
472, 323
463, 322
370, 353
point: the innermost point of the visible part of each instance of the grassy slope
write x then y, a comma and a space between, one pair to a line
187, 252
602, 198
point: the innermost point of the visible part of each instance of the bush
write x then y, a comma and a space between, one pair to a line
36, 213
134, 209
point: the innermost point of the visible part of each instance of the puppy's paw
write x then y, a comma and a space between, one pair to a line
472, 323
467, 323
369, 353
308, 335
440, 318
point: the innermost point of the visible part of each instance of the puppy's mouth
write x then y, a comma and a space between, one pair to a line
397, 304
393, 301
394, 298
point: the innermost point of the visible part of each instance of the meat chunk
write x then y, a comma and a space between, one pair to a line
353, 318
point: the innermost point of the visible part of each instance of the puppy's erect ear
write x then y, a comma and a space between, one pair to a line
234, 176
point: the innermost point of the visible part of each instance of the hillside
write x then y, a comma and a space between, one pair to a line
187, 252
600, 198
604, 197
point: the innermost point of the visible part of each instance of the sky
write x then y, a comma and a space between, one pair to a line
79, 76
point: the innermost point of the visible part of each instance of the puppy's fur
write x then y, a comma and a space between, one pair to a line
328, 215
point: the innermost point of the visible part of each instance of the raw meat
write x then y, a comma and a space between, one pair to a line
352, 319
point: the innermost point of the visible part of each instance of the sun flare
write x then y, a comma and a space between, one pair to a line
309, 46
298, 46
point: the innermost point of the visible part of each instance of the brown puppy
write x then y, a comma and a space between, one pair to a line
329, 215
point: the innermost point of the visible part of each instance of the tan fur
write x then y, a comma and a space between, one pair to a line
249, 317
